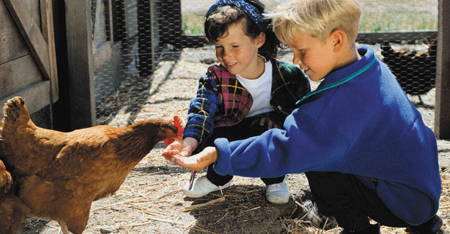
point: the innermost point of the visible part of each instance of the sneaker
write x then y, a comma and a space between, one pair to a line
431, 227
277, 193
201, 187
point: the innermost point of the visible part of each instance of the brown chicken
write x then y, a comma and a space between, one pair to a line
60, 174
6, 181
12, 210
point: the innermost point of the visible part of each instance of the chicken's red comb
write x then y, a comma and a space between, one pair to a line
179, 124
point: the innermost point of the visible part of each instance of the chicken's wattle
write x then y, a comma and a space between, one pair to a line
179, 124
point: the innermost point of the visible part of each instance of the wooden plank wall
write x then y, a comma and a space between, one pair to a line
12, 46
24, 53
13, 53
442, 111
46, 7
31, 33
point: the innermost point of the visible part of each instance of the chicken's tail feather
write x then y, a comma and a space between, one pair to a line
14, 109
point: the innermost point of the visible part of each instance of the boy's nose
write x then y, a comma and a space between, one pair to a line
296, 60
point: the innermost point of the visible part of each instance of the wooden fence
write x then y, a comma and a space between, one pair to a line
27, 53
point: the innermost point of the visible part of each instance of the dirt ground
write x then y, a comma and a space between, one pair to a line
151, 201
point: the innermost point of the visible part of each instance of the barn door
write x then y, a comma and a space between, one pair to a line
27, 53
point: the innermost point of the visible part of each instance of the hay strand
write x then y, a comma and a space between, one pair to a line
169, 193
222, 199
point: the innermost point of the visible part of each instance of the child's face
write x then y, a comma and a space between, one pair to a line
316, 58
238, 53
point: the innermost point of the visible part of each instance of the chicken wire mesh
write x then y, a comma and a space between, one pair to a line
130, 38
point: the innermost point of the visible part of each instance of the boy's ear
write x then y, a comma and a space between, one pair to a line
260, 40
338, 38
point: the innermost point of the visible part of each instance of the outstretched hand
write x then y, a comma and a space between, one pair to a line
196, 162
185, 149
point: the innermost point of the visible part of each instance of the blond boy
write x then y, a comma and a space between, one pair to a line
360, 141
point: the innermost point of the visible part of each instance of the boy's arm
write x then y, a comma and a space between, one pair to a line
309, 146
304, 145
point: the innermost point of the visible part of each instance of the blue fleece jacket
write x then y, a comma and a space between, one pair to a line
358, 121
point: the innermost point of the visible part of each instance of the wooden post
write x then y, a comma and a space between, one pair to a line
81, 74
442, 105
145, 41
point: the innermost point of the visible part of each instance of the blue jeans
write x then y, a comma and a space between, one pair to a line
346, 198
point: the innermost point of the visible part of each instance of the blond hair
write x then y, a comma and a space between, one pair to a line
316, 18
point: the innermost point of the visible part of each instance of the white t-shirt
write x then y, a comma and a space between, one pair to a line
260, 89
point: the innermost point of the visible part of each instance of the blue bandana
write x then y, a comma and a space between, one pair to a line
248, 8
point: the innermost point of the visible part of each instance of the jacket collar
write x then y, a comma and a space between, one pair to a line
367, 56
344, 75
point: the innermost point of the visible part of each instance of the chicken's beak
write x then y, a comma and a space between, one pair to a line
171, 137
179, 139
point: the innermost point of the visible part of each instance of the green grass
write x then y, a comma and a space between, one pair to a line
373, 23
377, 16
397, 20
192, 23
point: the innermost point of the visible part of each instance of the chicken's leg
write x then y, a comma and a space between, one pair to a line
64, 229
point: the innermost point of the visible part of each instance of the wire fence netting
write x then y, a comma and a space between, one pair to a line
131, 38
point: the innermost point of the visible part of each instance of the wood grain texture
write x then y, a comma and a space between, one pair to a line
12, 46
80, 71
442, 111
18, 74
31, 32
49, 36
37, 96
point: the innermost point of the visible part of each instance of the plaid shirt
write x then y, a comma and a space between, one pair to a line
222, 100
